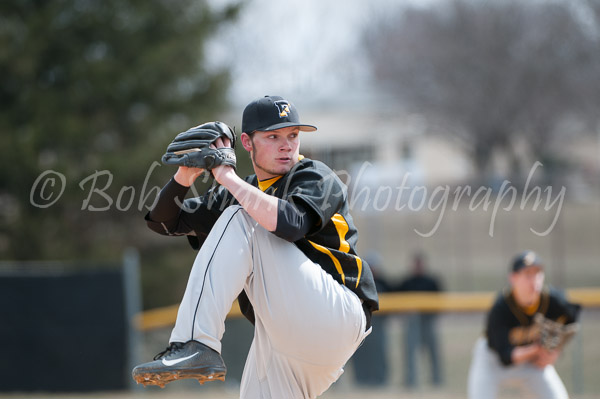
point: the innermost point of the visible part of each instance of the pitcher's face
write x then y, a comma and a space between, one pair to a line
527, 285
273, 153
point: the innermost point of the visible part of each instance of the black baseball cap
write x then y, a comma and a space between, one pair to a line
526, 259
270, 113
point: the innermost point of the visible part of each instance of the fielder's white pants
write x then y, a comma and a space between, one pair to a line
307, 324
487, 375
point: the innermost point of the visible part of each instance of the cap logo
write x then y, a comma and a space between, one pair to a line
283, 107
529, 259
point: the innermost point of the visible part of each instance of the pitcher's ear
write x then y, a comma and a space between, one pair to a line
246, 141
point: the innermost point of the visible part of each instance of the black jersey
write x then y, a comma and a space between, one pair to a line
509, 325
314, 187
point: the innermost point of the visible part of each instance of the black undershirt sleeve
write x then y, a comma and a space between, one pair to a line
164, 216
167, 206
294, 220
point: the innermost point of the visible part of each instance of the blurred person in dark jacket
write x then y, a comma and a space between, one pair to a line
420, 327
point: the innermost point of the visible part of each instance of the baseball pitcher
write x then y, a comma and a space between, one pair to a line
281, 241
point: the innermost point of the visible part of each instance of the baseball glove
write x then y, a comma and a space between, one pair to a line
192, 147
552, 334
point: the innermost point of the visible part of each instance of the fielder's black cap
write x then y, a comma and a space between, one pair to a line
526, 259
270, 113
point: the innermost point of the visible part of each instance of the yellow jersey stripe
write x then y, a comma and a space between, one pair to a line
531, 309
263, 185
342, 228
359, 264
336, 262
515, 309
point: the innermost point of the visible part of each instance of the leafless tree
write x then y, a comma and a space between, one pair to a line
500, 73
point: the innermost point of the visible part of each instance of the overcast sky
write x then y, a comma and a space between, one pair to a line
307, 50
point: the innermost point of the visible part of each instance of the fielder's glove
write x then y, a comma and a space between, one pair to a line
552, 334
192, 147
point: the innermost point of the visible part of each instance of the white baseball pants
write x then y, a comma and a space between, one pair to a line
307, 324
487, 374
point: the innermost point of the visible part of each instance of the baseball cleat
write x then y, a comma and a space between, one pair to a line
179, 361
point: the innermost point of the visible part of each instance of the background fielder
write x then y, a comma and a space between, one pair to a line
515, 348
284, 242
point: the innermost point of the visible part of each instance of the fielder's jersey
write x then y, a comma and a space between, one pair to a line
330, 242
509, 325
